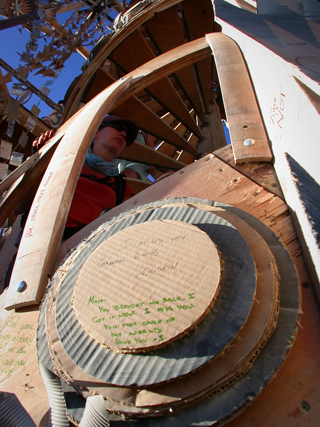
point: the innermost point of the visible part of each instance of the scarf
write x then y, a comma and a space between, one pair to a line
97, 163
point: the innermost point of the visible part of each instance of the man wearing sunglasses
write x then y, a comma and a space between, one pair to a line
100, 187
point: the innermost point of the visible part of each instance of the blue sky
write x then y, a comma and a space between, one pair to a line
11, 42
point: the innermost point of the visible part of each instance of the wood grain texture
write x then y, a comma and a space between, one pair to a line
45, 224
141, 153
129, 57
262, 173
211, 178
240, 103
116, 38
158, 28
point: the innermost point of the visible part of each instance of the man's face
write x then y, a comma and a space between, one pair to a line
109, 143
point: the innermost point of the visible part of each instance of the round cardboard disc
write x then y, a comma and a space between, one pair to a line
212, 335
147, 285
267, 362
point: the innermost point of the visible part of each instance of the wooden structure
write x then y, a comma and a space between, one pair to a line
163, 83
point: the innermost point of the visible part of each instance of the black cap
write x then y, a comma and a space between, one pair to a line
130, 127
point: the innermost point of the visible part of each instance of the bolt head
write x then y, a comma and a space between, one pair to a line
22, 286
248, 142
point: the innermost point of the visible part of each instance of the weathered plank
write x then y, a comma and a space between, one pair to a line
116, 38
240, 103
139, 152
147, 120
45, 224
158, 28
134, 52
262, 173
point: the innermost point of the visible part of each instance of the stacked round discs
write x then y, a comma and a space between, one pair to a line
166, 308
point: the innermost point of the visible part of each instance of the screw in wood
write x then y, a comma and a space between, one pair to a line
22, 286
248, 142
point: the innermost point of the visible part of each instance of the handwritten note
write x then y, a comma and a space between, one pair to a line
17, 340
277, 112
144, 325
147, 285
29, 226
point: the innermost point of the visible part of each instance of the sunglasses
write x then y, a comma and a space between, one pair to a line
117, 127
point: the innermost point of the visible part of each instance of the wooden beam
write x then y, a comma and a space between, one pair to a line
141, 153
240, 102
74, 101
46, 221
158, 28
147, 120
134, 52
193, 14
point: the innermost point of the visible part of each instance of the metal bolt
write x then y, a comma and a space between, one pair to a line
305, 407
22, 286
248, 142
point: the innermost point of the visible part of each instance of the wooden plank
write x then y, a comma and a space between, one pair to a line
74, 100
186, 79
32, 160
33, 168
147, 120
164, 23
158, 27
187, 157
193, 14
132, 53
20, 378
40, 243
164, 147
262, 173
141, 153
213, 132
240, 103
205, 73
45, 224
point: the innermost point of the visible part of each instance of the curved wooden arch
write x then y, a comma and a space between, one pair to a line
44, 228
108, 45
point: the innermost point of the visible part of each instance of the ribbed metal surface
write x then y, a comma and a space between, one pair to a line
12, 413
212, 335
